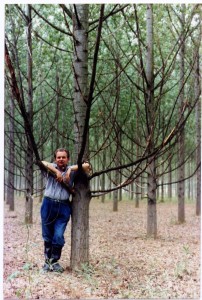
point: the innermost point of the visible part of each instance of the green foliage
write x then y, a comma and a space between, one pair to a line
27, 266
14, 275
182, 266
119, 106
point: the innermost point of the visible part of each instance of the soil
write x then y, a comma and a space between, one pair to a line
124, 263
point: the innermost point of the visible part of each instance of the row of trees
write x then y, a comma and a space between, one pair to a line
117, 84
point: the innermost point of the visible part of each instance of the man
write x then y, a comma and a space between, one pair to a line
56, 207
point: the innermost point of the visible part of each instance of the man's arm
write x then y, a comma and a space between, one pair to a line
53, 170
85, 166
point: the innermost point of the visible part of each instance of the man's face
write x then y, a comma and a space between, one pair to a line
61, 159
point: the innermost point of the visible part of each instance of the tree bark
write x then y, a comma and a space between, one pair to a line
198, 135
137, 196
117, 178
170, 193
181, 142
103, 177
11, 165
29, 156
80, 222
151, 183
81, 200
80, 66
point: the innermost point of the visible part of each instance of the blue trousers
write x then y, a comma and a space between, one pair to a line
54, 216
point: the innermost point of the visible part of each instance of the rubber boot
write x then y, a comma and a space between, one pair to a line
55, 256
47, 254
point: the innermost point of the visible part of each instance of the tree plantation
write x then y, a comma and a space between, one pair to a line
119, 86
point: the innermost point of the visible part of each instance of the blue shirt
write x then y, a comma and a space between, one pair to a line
55, 189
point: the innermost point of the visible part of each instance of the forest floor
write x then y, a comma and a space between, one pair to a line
124, 263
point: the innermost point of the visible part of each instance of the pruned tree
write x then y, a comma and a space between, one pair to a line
105, 95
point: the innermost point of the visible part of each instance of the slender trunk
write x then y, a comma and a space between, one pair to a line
117, 142
181, 143
103, 162
189, 182
117, 174
120, 161
41, 180
162, 182
11, 166
142, 179
103, 178
170, 194
57, 110
115, 198
29, 156
132, 185
137, 197
198, 136
151, 183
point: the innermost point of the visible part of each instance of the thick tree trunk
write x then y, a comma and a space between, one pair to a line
80, 222
80, 65
81, 199
151, 183
181, 142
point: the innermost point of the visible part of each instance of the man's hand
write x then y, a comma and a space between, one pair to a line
66, 178
55, 171
59, 177
86, 167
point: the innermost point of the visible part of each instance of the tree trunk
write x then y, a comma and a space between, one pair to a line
151, 183
198, 136
132, 186
162, 184
190, 180
181, 143
80, 222
80, 65
57, 142
170, 194
29, 156
137, 196
11, 157
117, 174
116, 193
81, 199
103, 176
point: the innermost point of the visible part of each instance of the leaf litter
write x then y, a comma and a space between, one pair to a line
124, 263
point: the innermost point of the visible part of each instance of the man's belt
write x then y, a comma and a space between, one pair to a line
66, 201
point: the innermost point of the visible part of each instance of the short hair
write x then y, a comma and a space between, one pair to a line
61, 150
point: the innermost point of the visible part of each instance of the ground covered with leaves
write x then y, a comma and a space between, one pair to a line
124, 263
